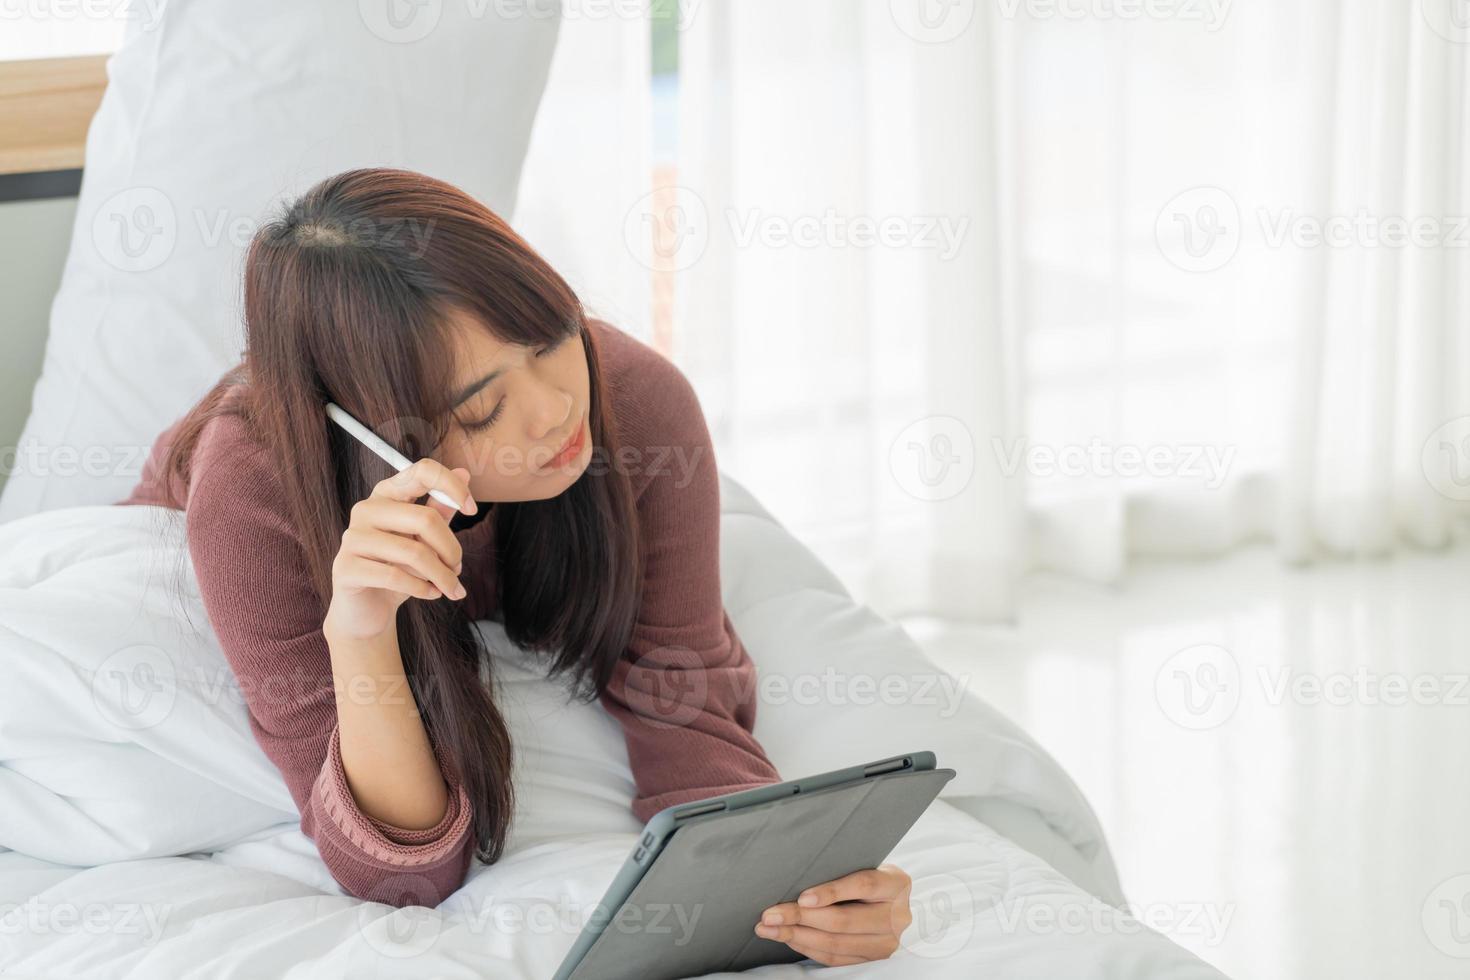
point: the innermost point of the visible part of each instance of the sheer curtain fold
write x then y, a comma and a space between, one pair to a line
589, 160
841, 316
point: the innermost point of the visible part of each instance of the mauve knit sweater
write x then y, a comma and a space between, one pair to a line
251, 577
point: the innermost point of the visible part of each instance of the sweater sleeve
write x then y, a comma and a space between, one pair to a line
684, 691
251, 576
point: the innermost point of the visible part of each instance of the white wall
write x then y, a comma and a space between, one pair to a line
33, 241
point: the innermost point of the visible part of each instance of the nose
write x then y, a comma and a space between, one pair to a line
554, 411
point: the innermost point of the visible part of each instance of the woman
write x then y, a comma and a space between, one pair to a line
589, 525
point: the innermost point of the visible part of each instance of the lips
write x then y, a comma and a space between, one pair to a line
570, 448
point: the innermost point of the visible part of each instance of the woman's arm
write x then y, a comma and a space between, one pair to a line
392, 550
272, 630
685, 690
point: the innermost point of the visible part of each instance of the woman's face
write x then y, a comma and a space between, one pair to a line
516, 407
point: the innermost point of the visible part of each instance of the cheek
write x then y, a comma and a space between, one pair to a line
481, 454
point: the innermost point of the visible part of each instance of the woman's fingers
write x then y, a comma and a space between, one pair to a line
355, 571
411, 553
444, 510
881, 884
852, 919
424, 475
410, 519
870, 917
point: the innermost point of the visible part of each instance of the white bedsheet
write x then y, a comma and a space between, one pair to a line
124, 744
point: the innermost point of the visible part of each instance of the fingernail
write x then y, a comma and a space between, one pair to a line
434, 593
765, 932
772, 918
807, 898
459, 592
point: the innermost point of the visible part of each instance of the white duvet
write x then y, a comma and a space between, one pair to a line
144, 834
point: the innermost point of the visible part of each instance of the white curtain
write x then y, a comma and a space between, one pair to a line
970, 289
838, 290
588, 158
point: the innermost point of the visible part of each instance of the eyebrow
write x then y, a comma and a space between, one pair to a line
469, 391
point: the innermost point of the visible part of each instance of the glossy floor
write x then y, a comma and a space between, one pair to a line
1280, 756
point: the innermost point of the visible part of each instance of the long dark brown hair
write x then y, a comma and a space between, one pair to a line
345, 300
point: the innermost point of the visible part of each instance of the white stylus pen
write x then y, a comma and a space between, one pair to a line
381, 449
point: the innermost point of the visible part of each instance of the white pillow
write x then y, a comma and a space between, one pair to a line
215, 112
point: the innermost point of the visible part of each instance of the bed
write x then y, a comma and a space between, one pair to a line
142, 831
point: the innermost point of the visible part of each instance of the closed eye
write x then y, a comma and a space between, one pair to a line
491, 419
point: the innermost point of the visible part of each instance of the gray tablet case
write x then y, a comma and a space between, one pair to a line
695, 910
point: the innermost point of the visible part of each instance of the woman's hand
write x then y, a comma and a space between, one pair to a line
854, 919
394, 549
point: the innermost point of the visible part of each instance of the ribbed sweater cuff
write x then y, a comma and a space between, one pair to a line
385, 842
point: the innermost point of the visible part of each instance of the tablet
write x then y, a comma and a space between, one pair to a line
688, 898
